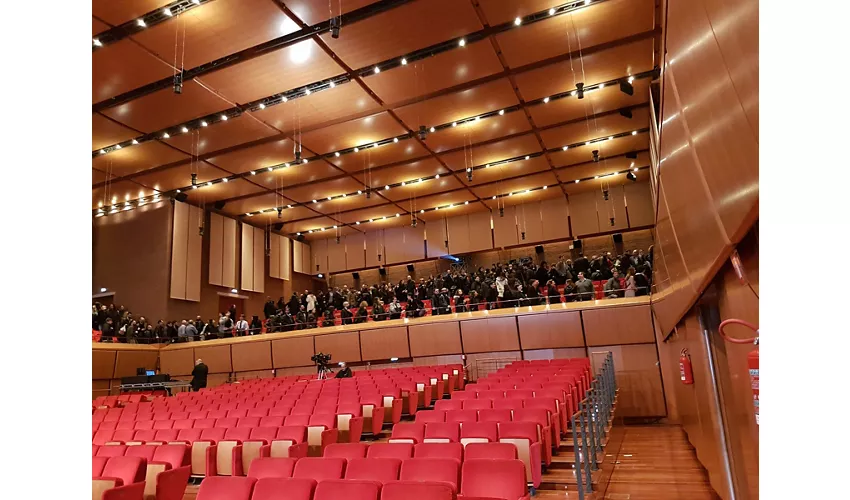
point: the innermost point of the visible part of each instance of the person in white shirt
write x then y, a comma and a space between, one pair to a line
241, 326
311, 303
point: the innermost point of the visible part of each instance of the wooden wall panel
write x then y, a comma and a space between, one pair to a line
229, 242
100, 388
394, 245
216, 230
565, 353
583, 216
319, 256
102, 364
248, 356
554, 214
529, 220
193, 255
179, 249
355, 256
638, 379
615, 207
127, 361
621, 325
274, 255
639, 204
343, 346
435, 238
375, 254
457, 229
487, 335
298, 250
551, 330
414, 242
176, 362
505, 232
259, 260
384, 343
480, 232
247, 278
336, 255
434, 339
216, 357
280, 260
292, 352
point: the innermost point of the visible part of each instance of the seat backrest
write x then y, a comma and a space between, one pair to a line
188, 435
97, 465
408, 430
171, 483
502, 451
145, 451
491, 394
241, 413
439, 450
373, 469
438, 432
183, 424
128, 469
176, 455
347, 451
248, 422
271, 467
508, 404
226, 488
294, 433
348, 489
265, 434
226, 422
271, 421
444, 470
112, 451
319, 468
204, 423
519, 430
493, 478
390, 450
280, 488
479, 431
215, 434
448, 404
237, 434
477, 404
297, 420
501, 415
429, 416
406, 490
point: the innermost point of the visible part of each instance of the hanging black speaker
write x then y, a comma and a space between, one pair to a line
356, 276
382, 271
219, 204
410, 268
538, 249
181, 197
278, 226
577, 244
618, 237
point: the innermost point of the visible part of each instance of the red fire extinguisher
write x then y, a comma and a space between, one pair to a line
686, 372
752, 358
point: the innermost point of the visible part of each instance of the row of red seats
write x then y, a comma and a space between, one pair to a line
482, 478
403, 451
144, 474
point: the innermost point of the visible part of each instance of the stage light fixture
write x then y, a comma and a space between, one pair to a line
262, 106
565, 148
307, 92
395, 139
178, 82
359, 192
203, 123
634, 132
502, 212
225, 180
631, 176
335, 28
356, 149
626, 113
627, 88
462, 42
612, 222
297, 155
545, 100
517, 21
432, 129
165, 135
501, 112
184, 129
305, 160
454, 124
336, 154
96, 42
224, 118
437, 176
631, 79
552, 11
577, 181
595, 153
469, 174
117, 146
141, 23
580, 90
403, 61
377, 70
279, 212
605, 194
134, 141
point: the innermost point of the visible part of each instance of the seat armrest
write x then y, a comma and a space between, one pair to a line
236, 461
211, 469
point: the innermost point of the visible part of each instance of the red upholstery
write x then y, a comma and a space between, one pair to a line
97, 465
226, 488
449, 404
135, 491
439, 450
508, 404
462, 416
408, 490
146, 451
479, 430
347, 489
175, 455
271, 421
390, 450
271, 467
429, 416
502, 451
319, 468
444, 470
493, 479
128, 469
406, 432
112, 451
501, 415
477, 404
171, 483
277, 488
381, 470
347, 451
438, 432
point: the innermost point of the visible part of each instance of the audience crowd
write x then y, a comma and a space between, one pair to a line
516, 283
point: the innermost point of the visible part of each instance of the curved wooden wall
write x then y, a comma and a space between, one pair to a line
110, 362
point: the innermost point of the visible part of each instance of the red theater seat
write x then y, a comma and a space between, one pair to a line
390, 450
430, 416
442, 470
112, 451
479, 432
525, 436
349, 489
278, 488
442, 432
477, 404
226, 488
319, 468
171, 484
439, 450
271, 467
501, 415
97, 465
502, 451
407, 490
291, 441
347, 451
408, 433
501, 479
381, 470
462, 416
119, 471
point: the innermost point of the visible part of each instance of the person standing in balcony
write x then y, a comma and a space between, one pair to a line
199, 375
630, 282
584, 288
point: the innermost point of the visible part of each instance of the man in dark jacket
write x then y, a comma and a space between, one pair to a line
199, 375
581, 265
269, 308
294, 304
584, 288
542, 274
346, 315
612, 287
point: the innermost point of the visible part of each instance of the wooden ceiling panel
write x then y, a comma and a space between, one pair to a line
445, 70
598, 67
117, 13
525, 199
180, 177
321, 190
403, 29
222, 191
98, 27
515, 185
496, 151
599, 101
122, 67
257, 157
105, 132
457, 198
239, 130
215, 30
592, 129
264, 202
295, 174
129, 161
308, 224
277, 71
387, 154
459, 105
500, 11
591, 169
116, 193
97, 176
403, 195
436, 217
319, 108
616, 146
402, 173
476, 132
316, 11
353, 133
507, 170
597, 24
165, 109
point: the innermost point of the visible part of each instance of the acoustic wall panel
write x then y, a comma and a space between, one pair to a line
639, 204
280, 257
505, 232
355, 255
414, 242
583, 213
336, 255
253, 258
301, 257
216, 237
554, 214
458, 231
193, 255
394, 245
259, 263
222, 266
435, 238
480, 232
319, 256
186, 252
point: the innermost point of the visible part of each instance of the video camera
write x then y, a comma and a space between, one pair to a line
321, 360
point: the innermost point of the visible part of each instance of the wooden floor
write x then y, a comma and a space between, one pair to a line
642, 462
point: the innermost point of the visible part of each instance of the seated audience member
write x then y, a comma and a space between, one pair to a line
301, 318
584, 288
328, 317
395, 308
641, 282
242, 326
347, 317
415, 308
533, 294
570, 291
552, 295
612, 287
362, 314
107, 331
344, 371
256, 325
311, 320
287, 321
379, 313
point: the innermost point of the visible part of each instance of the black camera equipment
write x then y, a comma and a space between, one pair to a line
322, 368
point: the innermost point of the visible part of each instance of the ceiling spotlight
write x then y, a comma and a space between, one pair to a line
631, 79
631, 176
285, 99
332, 85
437, 176
359, 192
209, 184
134, 141
403, 61
253, 172
203, 123
517, 21
510, 194
478, 118
141, 23
289, 206
102, 151
565, 148
595, 176
403, 183
462, 42
433, 130
545, 100
601, 86
271, 168
196, 2
587, 143
545, 187
184, 129
194, 187
178, 191
225, 180
396, 214
454, 124
224, 118
377, 70
336, 154
573, 93
358, 223
305, 160
167, 12
356, 150
334, 226
165, 135
587, 2
501, 112
96, 42
262, 106
387, 188
580, 90
552, 11
634, 132
466, 202
595, 153
307, 92
395, 139
330, 198
375, 145
310, 232
314, 201
635, 169
627, 88
422, 211
577, 181
117, 146
297, 234
610, 137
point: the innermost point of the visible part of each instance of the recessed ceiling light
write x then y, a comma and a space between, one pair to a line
167, 12
297, 234
334, 226
634, 132
344, 195
184, 129
422, 211
336, 154
454, 124
436, 208
332, 85
517, 21
510, 194
96, 42
377, 70
565, 148
310, 231
462, 42
286, 165
178, 191
395, 139
433, 129
501, 112
141, 23
135, 141
203, 123
595, 176
165, 135
262, 106
552, 11
356, 150
397, 214
488, 166
403, 61
224, 117
545, 99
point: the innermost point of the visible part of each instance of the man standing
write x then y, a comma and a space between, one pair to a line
612, 287
199, 375
181, 332
269, 309
191, 331
584, 288
241, 326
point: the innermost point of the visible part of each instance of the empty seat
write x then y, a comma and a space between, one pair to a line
439, 450
257, 444
187, 436
390, 450
462, 416
406, 490
502, 415
491, 394
169, 484
449, 404
242, 413
122, 435
381, 470
319, 468
349, 421
97, 465
204, 423
226, 423
258, 412
145, 451
508, 404
429, 416
112, 451
479, 432
271, 421
119, 471
271, 467
321, 431
207, 438
278, 488
443, 470
544, 431
477, 404
248, 422
347, 451
147, 436
348, 489
442, 432
408, 433
502, 451
291, 441
226, 488
183, 424
504, 479
525, 436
